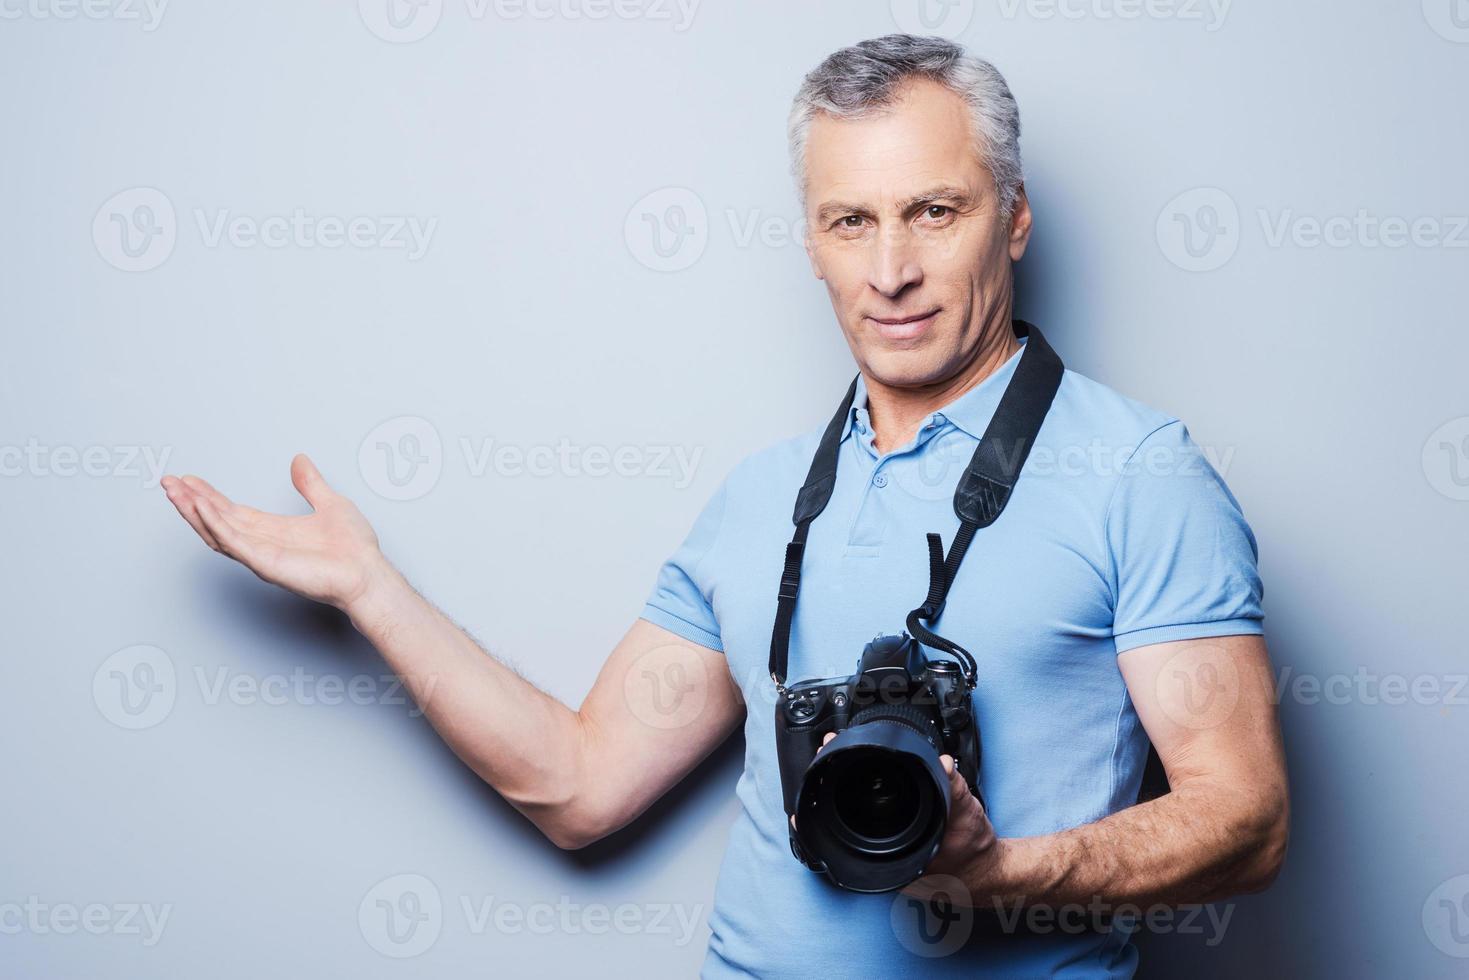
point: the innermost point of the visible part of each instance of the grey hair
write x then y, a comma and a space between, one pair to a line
864, 79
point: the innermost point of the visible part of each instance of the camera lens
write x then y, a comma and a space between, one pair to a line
873, 804
876, 798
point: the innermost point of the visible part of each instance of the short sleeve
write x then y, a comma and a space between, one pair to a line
1184, 561
680, 600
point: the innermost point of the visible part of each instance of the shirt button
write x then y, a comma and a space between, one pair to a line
881, 480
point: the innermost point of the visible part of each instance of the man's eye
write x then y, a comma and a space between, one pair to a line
853, 221
937, 211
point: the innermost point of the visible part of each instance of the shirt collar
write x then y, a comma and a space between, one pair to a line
971, 411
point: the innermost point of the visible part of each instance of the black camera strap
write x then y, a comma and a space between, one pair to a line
979, 499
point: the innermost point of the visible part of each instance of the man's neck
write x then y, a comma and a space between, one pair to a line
896, 413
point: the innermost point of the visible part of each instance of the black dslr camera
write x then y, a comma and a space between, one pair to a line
871, 807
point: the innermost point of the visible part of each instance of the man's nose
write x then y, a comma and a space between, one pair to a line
895, 264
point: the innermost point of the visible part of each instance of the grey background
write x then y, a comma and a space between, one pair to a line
1321, 372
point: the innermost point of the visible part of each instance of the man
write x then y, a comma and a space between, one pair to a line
1116, 600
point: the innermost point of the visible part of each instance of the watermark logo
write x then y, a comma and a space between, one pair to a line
1446, 459
667, 687
401, 21
934, 473
1199, 230
401, 916
939, 18
135, 688
402, 458
1448, 18
936, 920
667, 230
1446, 917
135, 230
1199, 686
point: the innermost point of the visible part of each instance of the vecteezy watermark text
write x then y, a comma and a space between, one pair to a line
403, 458
37, 459
138, 686
403, 915
1210, 13
137, 229
938, 917
39, 918
147, 13
407, 21
1200, 229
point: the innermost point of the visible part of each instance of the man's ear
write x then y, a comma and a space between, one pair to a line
1020, 223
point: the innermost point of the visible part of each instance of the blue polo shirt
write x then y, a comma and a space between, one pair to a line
1119, 534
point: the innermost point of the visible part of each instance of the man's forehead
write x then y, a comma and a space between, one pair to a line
919, 143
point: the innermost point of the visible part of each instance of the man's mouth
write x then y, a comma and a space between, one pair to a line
904, 327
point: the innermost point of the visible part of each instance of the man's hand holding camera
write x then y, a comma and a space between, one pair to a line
969, 851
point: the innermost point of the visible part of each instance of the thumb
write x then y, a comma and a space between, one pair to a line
309, 481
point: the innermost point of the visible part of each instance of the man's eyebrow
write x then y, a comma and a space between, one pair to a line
947, 192
831, 209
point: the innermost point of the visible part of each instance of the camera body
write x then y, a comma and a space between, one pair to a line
870, 808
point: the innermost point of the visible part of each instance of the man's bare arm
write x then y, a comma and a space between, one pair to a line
1209, 708
659, 705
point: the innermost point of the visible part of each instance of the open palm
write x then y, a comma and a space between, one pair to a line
327, 555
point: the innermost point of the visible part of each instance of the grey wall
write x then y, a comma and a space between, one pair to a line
1328, 379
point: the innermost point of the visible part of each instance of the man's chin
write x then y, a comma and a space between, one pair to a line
903, 369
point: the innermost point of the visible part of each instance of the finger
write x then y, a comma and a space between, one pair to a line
182, 499
957, 782
231, 541
309, 482
205, 489
241, 514
958, 785
959, 790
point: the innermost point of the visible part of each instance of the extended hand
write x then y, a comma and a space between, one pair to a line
330, 555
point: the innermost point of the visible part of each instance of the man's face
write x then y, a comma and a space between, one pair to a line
903, 224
